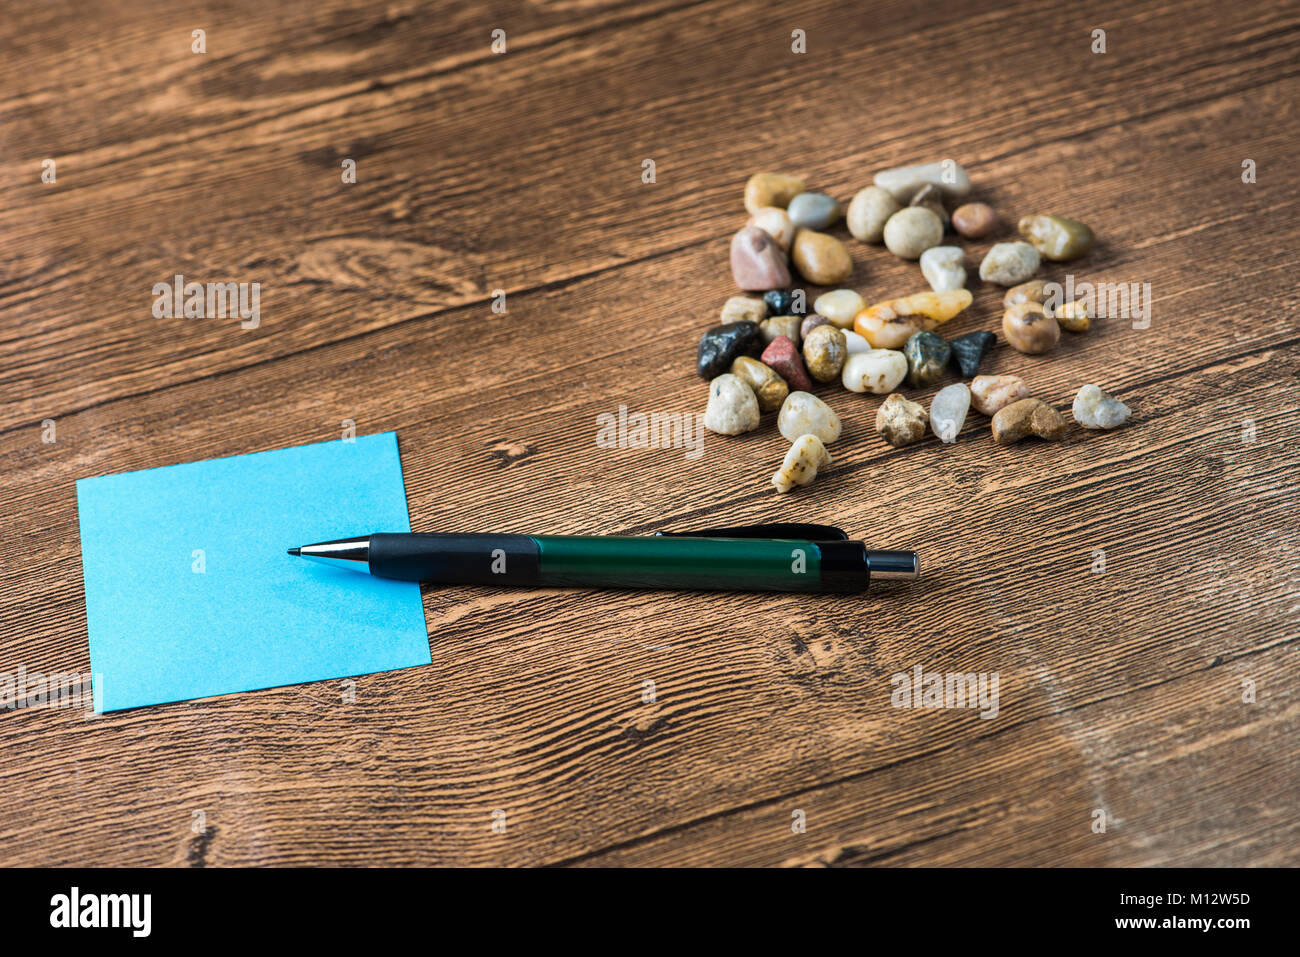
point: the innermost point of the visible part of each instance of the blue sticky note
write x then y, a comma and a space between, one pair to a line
190, 591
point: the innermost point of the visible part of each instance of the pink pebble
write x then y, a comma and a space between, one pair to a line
757, 262
782, 356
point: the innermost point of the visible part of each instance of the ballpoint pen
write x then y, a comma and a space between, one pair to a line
769, 557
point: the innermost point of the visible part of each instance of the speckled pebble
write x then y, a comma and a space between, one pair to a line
912, 231
802, 462
820, 258
948, 411
989, 393
757, 262
1073, 316
927, 358
1035, 290
813, 211
1009, 263
803, 413
839, 306
771, 189
974, 220
733, 407
878, 371
787, 326
868, 212
900, 421
824, 352
720, 345
783, 357
744, 309
944, 268
769, 388
1095, 409
1027, 417
969, 350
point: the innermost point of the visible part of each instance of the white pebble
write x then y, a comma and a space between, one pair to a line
805, 457
840, 306
913, 230
948, 411
943, 268
878, 371
855, 342
903, 181
1094, 409
803, 413
776, 223
733, 407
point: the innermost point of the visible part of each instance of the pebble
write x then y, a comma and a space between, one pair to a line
1009, 263
929, 197
787, 326
769, 388
1033, 291
1059, 238
974, 220
733, 407
927, 358
806, 456
824, 352
820, 258
990, 393
774, 221
902, 182
868, 212
944, 268
803, 413
721, 344
771, 189
884, 329
782, 355
968, 351
855, 342
928, 310
878, 371
840, 306
1029, 329
900, 422
778, 302
757, 262
813, 211
912, 231
1074, 316
810, 322
1095, 409
1025, 418
948, 411
744, 309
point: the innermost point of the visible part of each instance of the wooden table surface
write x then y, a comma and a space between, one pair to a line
1124, 694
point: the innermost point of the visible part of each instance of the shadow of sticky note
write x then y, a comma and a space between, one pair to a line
190, 591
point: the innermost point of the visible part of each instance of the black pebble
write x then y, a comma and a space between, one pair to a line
722, 344
778, 302
968, 350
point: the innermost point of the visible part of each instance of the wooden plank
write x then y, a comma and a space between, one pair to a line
1121, 690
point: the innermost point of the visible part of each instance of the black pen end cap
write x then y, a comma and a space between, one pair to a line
295, 551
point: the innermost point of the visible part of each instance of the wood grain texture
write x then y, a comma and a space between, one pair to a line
1120, 691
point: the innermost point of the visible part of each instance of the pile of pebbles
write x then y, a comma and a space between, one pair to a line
768, 350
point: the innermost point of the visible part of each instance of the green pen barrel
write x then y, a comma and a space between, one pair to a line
680, 562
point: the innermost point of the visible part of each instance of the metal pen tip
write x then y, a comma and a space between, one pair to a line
294, 551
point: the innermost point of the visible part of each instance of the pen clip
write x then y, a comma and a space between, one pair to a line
793, 530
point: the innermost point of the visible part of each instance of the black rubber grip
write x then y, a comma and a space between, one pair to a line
456, 559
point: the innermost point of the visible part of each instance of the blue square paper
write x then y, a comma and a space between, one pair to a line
190, 591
